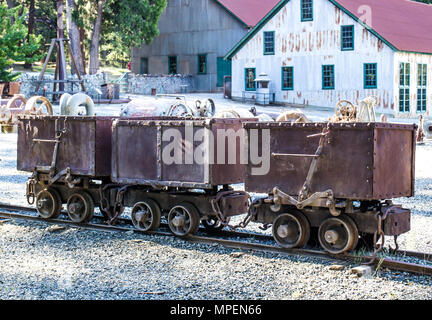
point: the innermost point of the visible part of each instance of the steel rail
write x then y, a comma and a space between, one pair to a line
383, 262
230, 234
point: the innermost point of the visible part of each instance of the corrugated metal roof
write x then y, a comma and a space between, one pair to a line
250, 12
405, 24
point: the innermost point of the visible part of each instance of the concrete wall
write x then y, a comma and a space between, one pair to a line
189, 28
413, 59
309, 45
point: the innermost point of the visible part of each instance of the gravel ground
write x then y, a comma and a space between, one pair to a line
80, 264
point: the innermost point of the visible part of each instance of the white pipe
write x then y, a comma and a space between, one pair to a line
77, 100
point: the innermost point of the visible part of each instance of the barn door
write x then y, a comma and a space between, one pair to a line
144, 66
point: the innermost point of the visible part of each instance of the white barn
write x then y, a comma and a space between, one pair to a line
318, 52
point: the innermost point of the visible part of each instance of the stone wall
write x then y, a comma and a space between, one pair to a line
162, 84
91, 82
136, 84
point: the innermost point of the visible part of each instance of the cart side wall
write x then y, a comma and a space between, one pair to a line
76, 150
352, 163
231, 171
394, 160
139, 146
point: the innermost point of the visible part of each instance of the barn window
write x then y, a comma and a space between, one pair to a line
370, 75
347, 37
404, 87
421, 87
202, 64
306, 10
172, 65
287, 78
250, 75
269, 42
328, 82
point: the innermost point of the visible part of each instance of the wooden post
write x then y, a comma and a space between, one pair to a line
53, 42
60, 36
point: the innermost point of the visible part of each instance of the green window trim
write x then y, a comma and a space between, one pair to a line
290, 78
370, 76
199, 71
404, 87
422, 87
246, 79
306, 7
269, 42
347, 38
170, 62
328, 77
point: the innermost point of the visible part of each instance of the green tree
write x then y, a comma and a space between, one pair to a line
15, 44
124, 23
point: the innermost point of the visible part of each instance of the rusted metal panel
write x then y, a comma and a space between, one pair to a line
85, 147
76, 149
352, 164
234, 205
188, 171
398, 221
103, 146
393, 162
227, 173
138, 148
139, 144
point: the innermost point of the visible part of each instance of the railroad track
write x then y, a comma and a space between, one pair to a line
226, 240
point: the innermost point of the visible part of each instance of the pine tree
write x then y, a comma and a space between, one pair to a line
15, 44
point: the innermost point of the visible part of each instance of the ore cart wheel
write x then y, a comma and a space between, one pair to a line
212, 223
80, 207
146, 215
291, 230
183, 220
48, 203
338, 235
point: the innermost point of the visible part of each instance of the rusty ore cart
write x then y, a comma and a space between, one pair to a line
334, 181
116, 163
330, 181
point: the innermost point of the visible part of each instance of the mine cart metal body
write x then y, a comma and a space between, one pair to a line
112, 163
139, 148
325, 175
359, 161
334, 181
55, 143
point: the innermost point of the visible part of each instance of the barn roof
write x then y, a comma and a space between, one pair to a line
250, 12
402, 24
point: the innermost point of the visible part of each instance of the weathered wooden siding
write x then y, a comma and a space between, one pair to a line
309, 45
189, 28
